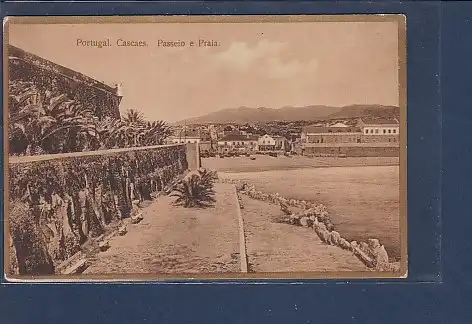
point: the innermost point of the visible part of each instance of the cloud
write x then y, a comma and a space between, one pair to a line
277, 69
264, 58
240, 56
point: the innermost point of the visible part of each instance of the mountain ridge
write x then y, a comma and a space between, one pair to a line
243, 114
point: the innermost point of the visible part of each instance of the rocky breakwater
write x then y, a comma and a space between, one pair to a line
316, 216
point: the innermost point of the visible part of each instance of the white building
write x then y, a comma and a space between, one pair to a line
238, 143
377, 127
266, 143
185, 136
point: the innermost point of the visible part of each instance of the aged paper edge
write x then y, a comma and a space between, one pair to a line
400, 19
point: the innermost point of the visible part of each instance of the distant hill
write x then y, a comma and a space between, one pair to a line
243, 115
354, 111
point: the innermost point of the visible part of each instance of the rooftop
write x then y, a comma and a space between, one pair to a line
320, 130
379, 121
238, 137
186, 134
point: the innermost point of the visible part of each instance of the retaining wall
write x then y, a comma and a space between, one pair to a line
58, 202
355, 151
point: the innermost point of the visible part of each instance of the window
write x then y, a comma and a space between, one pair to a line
226, 143
371, 131
394, 131
385, 131
376, 131
389, 131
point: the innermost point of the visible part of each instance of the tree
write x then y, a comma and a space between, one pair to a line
156, 133
195, 190
47, 123
134, 117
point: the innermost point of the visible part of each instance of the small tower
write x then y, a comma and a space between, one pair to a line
119, 89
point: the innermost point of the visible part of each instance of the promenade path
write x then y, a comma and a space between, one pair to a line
173, 239
277, 247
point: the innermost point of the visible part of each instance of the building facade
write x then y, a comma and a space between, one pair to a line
238, 143
371, 137
184, 137
266, 143
380, 130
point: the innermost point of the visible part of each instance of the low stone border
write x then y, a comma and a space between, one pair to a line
316, 216
242, 236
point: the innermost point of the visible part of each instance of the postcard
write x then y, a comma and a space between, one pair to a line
207, 147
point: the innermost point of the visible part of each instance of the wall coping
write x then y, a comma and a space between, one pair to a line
46, 157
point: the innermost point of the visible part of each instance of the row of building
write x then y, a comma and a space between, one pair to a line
232, 142
370, 136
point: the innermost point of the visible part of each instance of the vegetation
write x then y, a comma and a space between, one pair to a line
195, 190
48, 122
55, 205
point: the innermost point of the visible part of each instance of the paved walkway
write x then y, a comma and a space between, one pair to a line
173, 239
277, 247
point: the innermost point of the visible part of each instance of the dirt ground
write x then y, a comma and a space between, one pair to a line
363, 201
268, 163
277, 247
172, 239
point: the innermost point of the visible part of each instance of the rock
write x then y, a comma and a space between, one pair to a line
334, 238
135, 219
324, 236
104, 245
294, 219
380, 257
329, 226
122, 230
344, 244
364, 247
304, 221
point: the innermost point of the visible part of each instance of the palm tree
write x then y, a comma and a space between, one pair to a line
195, 190
43, 123
156, 133
134, 117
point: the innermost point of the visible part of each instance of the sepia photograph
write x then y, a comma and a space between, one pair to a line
180, 147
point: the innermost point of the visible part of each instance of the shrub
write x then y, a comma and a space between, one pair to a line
195, 190
29, 241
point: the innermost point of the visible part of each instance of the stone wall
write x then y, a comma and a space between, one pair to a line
102, 99
316, 216
58, 202
193, 156
354, 151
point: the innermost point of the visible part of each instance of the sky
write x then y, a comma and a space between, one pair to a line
254, 65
